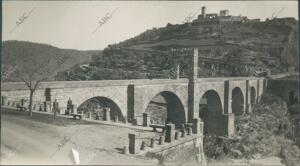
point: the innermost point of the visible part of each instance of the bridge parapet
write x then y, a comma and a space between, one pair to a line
6, 86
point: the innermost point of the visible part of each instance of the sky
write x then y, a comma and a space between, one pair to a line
70, 24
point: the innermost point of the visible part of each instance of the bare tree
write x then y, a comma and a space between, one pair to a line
35, 69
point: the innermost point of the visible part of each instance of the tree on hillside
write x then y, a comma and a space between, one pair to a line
39, 70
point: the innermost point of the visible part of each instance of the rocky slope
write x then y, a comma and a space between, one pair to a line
246, 47
15, 52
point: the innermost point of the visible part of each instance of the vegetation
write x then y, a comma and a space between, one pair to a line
268, 131
20, 51
262, 45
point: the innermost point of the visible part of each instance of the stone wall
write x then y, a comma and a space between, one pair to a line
185, 153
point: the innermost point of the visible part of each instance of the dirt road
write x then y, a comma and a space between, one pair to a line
45, 140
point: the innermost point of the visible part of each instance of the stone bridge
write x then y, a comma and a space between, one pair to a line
223, 96
215, 100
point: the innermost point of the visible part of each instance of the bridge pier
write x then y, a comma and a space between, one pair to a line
193, 105
146, 120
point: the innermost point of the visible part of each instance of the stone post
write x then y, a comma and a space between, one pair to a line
182, 133
134, 121
125, 150
170, 132
3, 100
143, 146
152, 142
146, 120
74, 108
47, 106
41, 108
106, 112
116, 118
89, 115
189, 130
182, 127
22, 102
176, 135
97, 115
55, 107
134, 146
161, 140
196, 125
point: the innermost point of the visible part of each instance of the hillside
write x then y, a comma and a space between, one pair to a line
245, 46
14, 52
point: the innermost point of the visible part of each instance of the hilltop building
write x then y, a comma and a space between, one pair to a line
222, 17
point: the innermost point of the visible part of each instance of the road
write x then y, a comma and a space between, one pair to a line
43, 139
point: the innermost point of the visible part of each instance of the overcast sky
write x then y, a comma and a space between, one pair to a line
70, 24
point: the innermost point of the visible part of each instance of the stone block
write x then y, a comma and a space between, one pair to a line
89, 115
134, 146
106, 113
143, 146
125, 150
152, 142
201, 129
74, 109
3, 100
146, 120
161, 140
134, 121
47, 105
176, 135
189, 130
41, 108
139, 120
182, 133
170, 132
116, 119
196, 125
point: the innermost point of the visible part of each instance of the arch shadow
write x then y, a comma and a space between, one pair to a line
252, 95
211, 113
166, 107
237, 101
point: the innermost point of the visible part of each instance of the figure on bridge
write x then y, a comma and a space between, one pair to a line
55, 107
69, 107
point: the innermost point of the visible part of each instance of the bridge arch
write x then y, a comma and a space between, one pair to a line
211, 112
237, 101
99, 103
116, 95
166, 107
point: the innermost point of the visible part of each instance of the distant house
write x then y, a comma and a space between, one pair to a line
223, 17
